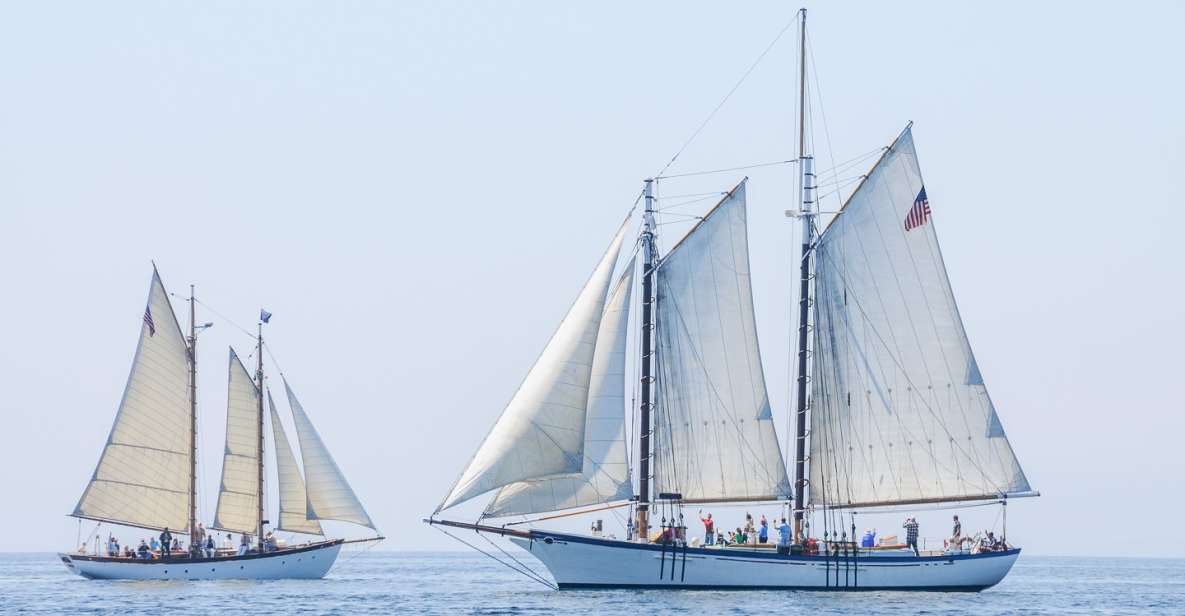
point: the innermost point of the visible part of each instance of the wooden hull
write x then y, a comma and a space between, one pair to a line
302, 562
588, 562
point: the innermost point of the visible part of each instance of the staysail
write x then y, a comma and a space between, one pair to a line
899, 410
605, 476
330, 496
541, 432
293, 516
142, 478
714, 432
238, 494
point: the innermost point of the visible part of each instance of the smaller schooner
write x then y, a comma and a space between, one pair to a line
147, 474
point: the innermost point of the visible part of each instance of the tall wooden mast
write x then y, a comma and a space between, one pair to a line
259, 414
649, 252
806, 215
192, 415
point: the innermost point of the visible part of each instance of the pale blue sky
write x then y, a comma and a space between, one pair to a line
418, 189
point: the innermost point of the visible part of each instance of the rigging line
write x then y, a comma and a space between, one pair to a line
511, 557
224, 318
735, 87
495, 558
717, 193
690, 201
792, 161
822, 111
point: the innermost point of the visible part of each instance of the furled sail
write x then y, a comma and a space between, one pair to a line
238, 495
541, 432
330, 496
143, 474
713, 431
605, 476
899, 412
293, 515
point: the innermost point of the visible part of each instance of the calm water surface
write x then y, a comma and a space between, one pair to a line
462, 583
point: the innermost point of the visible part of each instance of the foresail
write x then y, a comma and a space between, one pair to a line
541, 431
899, 411
605, 476
714, 432
238, 494
143, 474
330, 496
293, 515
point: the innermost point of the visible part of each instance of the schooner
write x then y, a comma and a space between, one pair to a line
891, 410
147, 474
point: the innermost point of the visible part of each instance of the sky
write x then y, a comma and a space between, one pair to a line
417, 190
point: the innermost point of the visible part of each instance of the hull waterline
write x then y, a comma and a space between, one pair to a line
577, 562
304, 562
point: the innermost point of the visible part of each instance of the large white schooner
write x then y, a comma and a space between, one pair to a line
891, 409
147, 474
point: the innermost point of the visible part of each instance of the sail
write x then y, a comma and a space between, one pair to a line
605, 476
143, 475
541, 431
238, 495
329, 494
899, 411
293, 515
713, 431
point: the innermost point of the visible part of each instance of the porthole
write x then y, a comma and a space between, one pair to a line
211, 569
187, 570
240, 566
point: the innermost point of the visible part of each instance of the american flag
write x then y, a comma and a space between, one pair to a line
919, 214
148, 320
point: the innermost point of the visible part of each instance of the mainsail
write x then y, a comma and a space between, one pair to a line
605, 476
142, 478
238, 495
329, 494
899, 411
714, 432
541, 432
293, 515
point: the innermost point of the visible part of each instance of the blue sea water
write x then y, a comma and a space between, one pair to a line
468, 583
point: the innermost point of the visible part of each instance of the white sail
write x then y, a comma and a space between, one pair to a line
899, 411
329, 494
293, 516
713, 431
605, 476
238, 494
541, 431
143, 475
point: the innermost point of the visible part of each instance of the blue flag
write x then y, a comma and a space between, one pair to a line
264, 315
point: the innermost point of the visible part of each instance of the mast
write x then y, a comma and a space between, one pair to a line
192, 414
647, 346
806, 216
259, 449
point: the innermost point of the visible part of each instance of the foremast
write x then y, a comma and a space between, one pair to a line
259, 449
649, 261
806, 216
192, 414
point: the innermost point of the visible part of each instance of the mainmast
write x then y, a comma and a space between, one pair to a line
649, 253
806, 215
259, 449
192, 414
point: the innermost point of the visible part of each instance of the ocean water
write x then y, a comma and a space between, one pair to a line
469, 583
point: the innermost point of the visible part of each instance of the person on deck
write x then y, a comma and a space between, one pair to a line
709, 529
210, 546
142, 550
869, 539
154, 544
956, 534
911, 534
166, 543
244, 545
228, 543
197, 539
763, 534
783, 537
176, 546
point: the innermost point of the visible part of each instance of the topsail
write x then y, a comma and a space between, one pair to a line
142, 478
899, 410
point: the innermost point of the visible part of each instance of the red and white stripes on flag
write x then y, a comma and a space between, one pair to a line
919, 214
148, 320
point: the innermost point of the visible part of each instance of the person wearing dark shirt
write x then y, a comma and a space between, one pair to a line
911, 534
166, 542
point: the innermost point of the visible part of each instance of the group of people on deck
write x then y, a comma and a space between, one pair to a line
759, 534
202, 545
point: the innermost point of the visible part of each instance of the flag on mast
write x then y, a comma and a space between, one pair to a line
264, 315
919, 214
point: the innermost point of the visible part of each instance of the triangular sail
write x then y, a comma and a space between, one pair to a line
293, 515
899, 411
238, 494
541, 431
714, 432
143, 475
605, 476
330, 496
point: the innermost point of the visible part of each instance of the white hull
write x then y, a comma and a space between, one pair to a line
311, 562
587, 562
